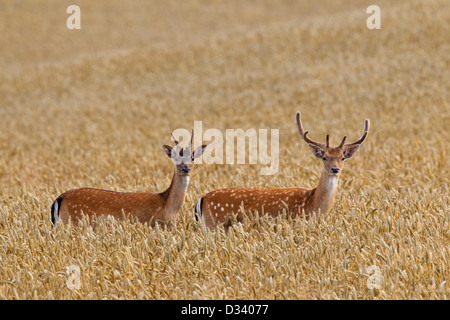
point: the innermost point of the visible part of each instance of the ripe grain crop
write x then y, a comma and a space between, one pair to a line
93, 107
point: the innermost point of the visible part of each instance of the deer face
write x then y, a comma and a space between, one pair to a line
184, 157
333, 158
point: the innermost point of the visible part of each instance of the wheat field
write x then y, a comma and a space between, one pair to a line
93, 107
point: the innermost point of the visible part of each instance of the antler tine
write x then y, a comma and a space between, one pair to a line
328, 140
175, 140
303, 133
364, 135
192, 137
342, 142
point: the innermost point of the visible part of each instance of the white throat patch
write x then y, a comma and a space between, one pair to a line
332, 183
185, 181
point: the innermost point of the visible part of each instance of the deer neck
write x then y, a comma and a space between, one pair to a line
325, 193
174, 195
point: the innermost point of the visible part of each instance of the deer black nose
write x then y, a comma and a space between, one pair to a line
334, 170
186, 170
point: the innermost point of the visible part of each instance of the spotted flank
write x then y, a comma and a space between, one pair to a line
198, 210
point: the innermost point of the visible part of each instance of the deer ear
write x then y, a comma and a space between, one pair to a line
350, 151
317, 151
199, 151
168, 150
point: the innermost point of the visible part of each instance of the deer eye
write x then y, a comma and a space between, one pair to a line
324, 159
343, 159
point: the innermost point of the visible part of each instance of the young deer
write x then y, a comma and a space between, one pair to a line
145, 206
215, 206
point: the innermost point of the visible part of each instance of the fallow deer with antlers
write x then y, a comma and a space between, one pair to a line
214, 207
145, 206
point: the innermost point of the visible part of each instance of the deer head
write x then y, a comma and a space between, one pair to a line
184, 157
333, 158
